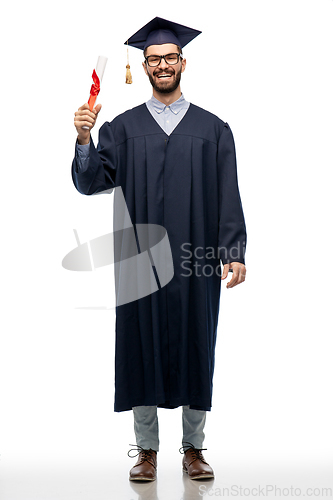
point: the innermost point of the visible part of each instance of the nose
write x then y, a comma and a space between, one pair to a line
163, 64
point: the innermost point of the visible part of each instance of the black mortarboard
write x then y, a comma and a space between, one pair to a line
159, 31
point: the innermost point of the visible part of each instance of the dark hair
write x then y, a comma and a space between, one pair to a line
179, 50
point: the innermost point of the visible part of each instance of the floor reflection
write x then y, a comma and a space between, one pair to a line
193, 489
146, 490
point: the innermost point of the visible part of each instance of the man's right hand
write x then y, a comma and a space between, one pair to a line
84, 116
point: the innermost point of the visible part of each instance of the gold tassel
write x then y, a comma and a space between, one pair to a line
128, 70
128, 74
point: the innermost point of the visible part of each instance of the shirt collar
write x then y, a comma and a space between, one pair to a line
175, 106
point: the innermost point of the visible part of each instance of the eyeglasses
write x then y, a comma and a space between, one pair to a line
154, 61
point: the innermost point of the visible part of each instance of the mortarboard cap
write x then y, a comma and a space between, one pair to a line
159, 31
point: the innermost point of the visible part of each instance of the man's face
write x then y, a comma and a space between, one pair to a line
164, 78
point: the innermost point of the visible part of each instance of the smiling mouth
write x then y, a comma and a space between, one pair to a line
164, 76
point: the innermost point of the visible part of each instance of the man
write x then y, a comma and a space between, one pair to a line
176, 165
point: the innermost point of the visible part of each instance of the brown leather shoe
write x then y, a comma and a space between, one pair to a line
146, 465
194, 463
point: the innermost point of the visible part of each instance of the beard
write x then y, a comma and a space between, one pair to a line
165, 87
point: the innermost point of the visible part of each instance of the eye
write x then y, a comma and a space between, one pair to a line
153, 59
171, 58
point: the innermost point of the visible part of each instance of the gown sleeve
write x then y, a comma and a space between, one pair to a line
100, 173
232, 229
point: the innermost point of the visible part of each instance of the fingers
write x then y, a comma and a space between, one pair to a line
85, 106
79, 122
85, 117
97, 108
225, 271
238, 274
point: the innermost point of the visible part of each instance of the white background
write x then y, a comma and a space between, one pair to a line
263, 66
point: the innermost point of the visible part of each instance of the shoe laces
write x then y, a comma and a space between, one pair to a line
196, 453
146, 455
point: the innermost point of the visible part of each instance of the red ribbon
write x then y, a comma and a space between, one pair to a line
95, 88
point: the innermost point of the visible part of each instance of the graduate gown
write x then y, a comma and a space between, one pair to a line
187, 183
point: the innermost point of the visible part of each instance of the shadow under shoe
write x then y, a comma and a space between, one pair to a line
194, 463
146, 465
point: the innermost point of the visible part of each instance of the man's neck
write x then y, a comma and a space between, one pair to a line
168, 99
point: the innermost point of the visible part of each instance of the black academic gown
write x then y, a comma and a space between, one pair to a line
187, 183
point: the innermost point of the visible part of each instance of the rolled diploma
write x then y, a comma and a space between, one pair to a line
100, 67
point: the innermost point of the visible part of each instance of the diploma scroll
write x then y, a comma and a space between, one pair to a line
96, 86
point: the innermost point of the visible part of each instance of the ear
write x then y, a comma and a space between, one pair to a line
183, 65
145, 68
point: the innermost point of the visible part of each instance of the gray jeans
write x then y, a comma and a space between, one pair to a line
146, 427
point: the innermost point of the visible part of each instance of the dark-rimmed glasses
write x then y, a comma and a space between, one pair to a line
171, 59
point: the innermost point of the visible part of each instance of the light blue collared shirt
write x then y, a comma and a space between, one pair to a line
167, 117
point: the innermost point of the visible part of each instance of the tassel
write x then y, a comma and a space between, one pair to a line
128, 70
128, 74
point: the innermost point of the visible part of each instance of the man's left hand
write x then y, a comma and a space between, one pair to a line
238, 273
